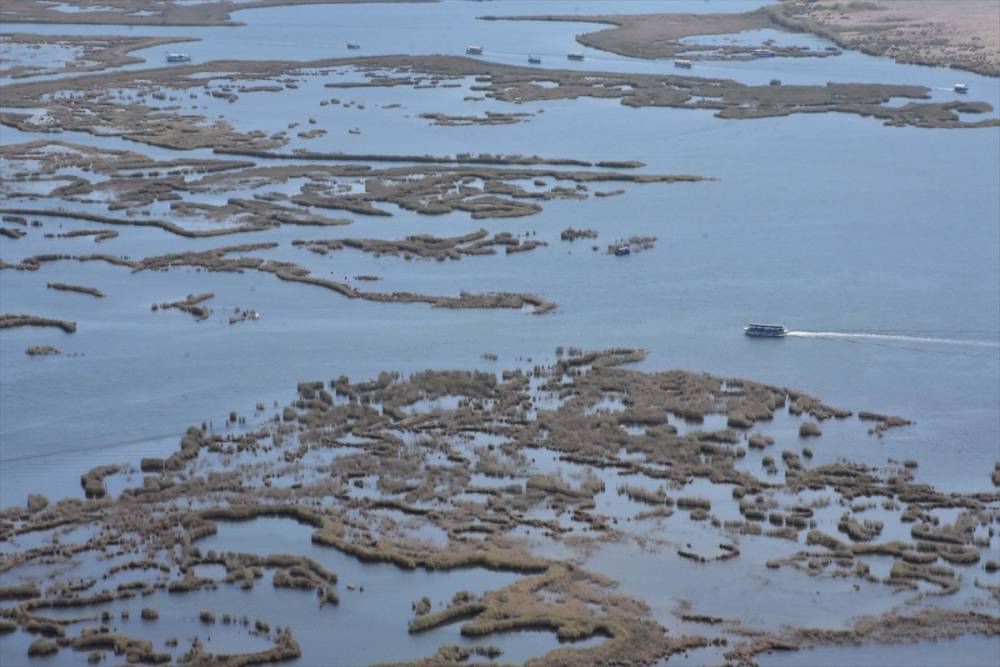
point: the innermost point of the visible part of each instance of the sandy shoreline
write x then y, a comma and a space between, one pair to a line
963, 34
153, 12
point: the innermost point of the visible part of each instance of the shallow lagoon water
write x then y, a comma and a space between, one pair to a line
382, 607
854, 246
826, 223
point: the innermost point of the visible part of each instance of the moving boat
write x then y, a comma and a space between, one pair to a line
686, 64
765, 330
961, 88
623, 250
178, 58
353, 45
576, 55
474, 50
535, 60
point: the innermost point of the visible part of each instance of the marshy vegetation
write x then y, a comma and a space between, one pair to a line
425, 463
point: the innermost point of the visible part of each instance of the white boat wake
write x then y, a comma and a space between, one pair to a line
894, 337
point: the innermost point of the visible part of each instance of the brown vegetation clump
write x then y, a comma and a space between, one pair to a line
41, 647
801, 403
19, 591
93, 291
643, 495
693, 503
217, 260
859, 532
429, 187
570, 234
8, 321
882, 422
488, 118
427, 246
93, 481
730, 99
36, 502
12, 233
808, 428
419, 464
41, 350
422, 606
192, 304
98, 234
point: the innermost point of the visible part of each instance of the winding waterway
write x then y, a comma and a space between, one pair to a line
879, 246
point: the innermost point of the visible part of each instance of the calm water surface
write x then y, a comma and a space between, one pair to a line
831, 224
826, 223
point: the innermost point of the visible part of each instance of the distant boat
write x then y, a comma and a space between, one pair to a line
353, 45
623, 250
765, 330
474, 50
178, 58
535, 60
686, 64
576, 55
763, 53
961, 88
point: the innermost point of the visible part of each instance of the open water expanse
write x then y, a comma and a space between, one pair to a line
878, 247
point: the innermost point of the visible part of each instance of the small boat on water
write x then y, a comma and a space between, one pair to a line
535, 60
178, 58
576, 55
474, 50
353, 45
623, 250
686, 64
765, 330
961, 88
763, 53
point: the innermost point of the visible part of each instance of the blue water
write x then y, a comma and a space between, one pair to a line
826, 223
823, 222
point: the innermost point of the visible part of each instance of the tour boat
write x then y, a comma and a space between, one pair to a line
535, 60
686, 64
961, 88
576, 55
623, 250
766, 330
178, 58
474, 50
